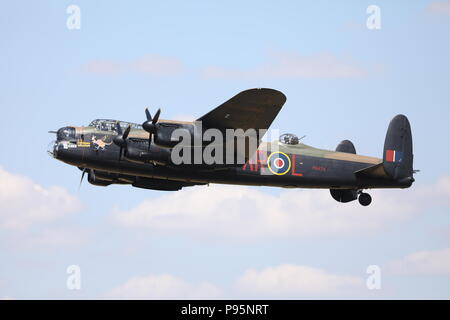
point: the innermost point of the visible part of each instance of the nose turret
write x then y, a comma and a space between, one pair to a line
66, 133
51, 148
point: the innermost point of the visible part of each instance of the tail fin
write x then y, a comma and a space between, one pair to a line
398, 152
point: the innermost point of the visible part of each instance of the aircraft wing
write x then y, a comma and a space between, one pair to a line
250, 109
253, 108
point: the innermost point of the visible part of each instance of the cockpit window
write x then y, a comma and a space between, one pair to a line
289, 138
111, 125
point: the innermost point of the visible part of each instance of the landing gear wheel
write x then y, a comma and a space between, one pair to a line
364, 199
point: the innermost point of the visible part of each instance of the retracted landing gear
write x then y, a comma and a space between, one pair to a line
364, 198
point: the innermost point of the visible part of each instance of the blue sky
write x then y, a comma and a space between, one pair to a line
342, 81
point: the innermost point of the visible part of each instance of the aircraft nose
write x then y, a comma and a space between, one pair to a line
59, 148
67, 152
51, 148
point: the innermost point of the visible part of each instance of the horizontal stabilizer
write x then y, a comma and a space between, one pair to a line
377, 171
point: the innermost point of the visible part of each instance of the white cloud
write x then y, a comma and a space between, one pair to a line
246, 212
297, 281
423, 262
163, 286
24, 203
294, 65
279, 64
49, 237
157, 65
151, 64
282, 281
440, 191
439, 7
105, 67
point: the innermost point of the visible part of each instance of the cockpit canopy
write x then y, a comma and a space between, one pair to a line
289, 138
111, 125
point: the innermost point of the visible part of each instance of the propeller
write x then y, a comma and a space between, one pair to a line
82, 176
150, 124
121, 139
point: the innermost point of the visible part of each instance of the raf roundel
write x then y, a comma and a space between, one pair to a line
279, 163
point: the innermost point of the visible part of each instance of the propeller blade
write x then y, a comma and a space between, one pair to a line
124, 137
126, 133
121, 139
150, 125
147, 113
156, 117
81, 180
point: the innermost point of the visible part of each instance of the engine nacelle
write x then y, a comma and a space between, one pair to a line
156, 154
103, 179
93, 179
344, 195
164, 136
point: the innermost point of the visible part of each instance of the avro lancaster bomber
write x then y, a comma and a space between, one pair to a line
225, 146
